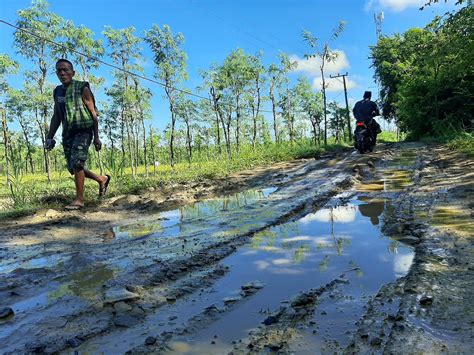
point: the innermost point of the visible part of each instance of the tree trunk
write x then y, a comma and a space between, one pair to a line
173, 123
275, 124
152, 147
315, 132
122, 134
188, 141
220, 115
28, 145
145, 156
6, 143
324, 95
129, 141
255, 113
227, 128
325, 113
218, 130
237, 126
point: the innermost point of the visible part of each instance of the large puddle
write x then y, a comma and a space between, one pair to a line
288, 259
309, 253
171, 223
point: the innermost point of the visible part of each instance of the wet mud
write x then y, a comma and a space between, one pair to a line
347, 253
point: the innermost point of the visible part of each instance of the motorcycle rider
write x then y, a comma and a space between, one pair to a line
365, 110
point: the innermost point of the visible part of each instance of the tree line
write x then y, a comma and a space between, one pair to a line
427, 76
227, 115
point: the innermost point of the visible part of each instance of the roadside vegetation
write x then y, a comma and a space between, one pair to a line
426, 78
29, 192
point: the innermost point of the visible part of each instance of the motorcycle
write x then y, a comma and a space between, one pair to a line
363, 140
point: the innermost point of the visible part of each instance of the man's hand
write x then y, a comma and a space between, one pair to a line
49, 144
97, 143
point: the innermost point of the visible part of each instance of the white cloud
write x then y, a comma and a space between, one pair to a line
341, 214
369, 5
402, 263
282, 262
300, 238
262, 265
311, 66
333, 84
393, 5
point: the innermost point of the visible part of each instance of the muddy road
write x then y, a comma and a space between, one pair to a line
344, 253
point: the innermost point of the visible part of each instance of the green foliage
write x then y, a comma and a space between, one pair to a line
20, 192
426, 76
33, 191
464, 142
387, 137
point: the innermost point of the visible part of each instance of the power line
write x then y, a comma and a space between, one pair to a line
239, 28
99, 60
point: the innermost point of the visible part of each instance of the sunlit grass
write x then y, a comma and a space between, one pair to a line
33, 190
463, 143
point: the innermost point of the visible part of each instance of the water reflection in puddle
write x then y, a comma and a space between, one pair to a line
171, 223
48, 261
308, 253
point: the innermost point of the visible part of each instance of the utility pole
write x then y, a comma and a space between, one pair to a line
347, 104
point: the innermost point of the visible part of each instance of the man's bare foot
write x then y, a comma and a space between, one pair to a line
75, 205
103, 185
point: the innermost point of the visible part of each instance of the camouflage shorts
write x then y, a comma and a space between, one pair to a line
76, 147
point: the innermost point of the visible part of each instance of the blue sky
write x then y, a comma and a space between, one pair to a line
213, 28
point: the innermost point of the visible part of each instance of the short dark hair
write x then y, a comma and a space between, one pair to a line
367, 94
65, 61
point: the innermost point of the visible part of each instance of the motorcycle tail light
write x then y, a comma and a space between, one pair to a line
360, 124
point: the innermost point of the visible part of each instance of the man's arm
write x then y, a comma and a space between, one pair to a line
55, 122
355, 110
375, 109
88, 100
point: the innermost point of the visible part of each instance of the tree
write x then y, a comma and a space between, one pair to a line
337, 121
325, 55
81, 39
236, 76
170, 65
311, 104
426, 75
214, 82
287, 105
143, 108
254, 98
18, 103
186, 110
277, 78
7, 66
124, 49
48, 25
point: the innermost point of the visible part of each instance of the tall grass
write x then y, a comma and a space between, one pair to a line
32, 191
464, 143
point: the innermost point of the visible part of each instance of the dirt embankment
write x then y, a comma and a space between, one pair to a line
124, 277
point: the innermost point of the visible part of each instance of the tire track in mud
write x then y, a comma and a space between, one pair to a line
431, 308
79, 318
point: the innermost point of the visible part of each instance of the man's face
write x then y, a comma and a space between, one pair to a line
64, 72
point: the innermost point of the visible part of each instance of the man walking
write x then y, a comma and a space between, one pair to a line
74, 108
